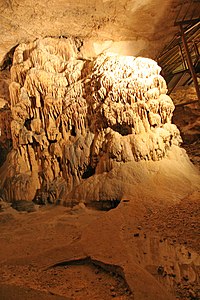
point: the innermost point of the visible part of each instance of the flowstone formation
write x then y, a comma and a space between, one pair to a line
74, 117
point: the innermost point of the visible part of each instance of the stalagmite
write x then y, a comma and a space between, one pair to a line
73, 117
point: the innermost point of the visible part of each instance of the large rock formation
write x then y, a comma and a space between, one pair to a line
73, 118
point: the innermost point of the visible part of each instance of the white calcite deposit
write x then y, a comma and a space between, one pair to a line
74, 117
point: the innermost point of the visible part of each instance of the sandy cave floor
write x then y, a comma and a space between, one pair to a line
125, 253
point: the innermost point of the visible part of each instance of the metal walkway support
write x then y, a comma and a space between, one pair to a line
180, 59
189, 61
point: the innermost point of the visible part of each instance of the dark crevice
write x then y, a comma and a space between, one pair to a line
8, 59
3, 154
35, 144
90, 171
122, 129
33, 102
41, 100
104, 205
115, 269
4, 150
60, 163
27, 124
52, 141
73, 131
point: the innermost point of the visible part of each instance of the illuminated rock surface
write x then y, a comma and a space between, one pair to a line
74, 118
94, 134
129, 27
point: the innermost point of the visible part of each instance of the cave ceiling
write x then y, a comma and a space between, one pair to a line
129, 27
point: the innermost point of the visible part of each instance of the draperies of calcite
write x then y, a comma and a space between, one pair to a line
73, 117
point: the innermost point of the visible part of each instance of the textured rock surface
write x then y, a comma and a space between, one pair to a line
184, 94
73, 117
5, 116
130, 27
187, 118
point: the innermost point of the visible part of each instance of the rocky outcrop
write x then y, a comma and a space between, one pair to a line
127, 27
73, 117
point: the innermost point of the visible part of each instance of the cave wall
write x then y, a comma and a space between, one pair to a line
5, 116
127, 27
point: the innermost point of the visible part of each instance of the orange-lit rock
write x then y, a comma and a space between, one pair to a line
73, 118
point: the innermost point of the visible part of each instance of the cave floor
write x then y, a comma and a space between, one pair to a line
129, 252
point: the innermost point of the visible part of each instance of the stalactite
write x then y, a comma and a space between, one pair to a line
71, 115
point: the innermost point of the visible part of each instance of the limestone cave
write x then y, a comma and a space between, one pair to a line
99, 150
